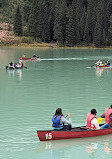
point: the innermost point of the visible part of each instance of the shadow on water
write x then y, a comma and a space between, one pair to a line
91, 144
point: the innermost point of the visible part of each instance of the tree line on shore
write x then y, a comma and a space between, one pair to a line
67, 22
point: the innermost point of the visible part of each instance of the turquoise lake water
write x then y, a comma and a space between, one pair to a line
29, 97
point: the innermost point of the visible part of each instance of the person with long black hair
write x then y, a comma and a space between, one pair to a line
59, 122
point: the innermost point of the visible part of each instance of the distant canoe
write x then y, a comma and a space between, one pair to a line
13, 68
9, 68
77, 132
34, 59
105, 66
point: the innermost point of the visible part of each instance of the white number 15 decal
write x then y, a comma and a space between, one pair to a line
48, 136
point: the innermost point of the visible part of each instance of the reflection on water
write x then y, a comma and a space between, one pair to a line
89, 145
106, 147
99, 71
92, 147
17, 72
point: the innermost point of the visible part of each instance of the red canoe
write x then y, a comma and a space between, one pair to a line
78, 132
24, 58
105, 66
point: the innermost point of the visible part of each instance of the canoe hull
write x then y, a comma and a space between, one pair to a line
11, 68
102, 66
29, 59
58, 135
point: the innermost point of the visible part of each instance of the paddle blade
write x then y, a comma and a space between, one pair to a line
7, 67
25, 67
100, 120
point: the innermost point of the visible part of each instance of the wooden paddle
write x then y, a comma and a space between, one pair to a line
100, 120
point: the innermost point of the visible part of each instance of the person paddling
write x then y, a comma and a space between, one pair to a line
11, 64
59, 122
34, 56
108, 117
91, 120
20, 63
108, 63
99, 63
24, 56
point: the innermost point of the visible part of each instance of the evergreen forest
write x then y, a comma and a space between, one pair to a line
66, 22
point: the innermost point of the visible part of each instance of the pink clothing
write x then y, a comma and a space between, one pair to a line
88, 120
108, 111
20, 63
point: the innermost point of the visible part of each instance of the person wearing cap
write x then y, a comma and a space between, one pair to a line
59, 122
91, 120
108, 117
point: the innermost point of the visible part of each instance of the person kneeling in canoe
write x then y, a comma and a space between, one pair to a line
108, 117
59, 122
92, 121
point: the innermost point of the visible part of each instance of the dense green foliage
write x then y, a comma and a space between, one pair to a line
18, 23
67, 22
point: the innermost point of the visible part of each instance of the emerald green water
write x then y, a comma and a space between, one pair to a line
29, 97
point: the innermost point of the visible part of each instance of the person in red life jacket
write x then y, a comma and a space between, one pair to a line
108, 117
91, 120
59, 122
20, 63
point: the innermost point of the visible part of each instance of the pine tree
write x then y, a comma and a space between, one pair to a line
3, 3
18, 23
31, 26
72, 29
34, 22
51, 21
60, 22
79, 8
90, 21
110, 31
98, 31
82, 24
26, 8
46, 12
107, 11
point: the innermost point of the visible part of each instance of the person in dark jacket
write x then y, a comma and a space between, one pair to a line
108, 63
11, 64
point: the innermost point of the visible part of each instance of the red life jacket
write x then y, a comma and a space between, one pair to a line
20, 63
108, 111
88, 120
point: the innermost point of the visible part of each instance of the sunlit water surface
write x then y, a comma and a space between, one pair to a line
29, 97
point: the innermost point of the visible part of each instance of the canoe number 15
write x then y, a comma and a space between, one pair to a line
48, 136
